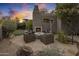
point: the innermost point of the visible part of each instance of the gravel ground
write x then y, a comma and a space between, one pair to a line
9, 47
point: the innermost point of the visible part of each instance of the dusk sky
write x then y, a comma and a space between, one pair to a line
24, 9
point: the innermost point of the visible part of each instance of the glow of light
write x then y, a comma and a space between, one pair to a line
21, 21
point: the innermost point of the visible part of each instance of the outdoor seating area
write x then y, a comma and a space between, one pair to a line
45, 38
40, 32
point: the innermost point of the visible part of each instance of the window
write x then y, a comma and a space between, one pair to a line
46, 20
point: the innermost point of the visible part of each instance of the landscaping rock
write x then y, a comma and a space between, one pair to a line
24, 51
29, 37
49, 52
47, 38
77, 54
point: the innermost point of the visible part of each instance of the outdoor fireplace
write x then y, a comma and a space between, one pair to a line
38, 29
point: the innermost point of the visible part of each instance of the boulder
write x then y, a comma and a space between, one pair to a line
24, 51
29, 37
47, 38
77, 54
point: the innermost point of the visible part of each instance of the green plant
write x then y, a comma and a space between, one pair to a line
18, 32
1, 21
62, 37
29, 25
50, 52
21, 25
8, 27
68, 13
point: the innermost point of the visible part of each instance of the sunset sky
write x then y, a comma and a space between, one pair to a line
23, 9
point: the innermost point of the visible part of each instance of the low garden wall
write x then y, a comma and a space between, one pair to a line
46, 38
29, 37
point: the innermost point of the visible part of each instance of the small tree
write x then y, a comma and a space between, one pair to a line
70, 14
21, 25
50, 52
62, 37
8, 27
29, 25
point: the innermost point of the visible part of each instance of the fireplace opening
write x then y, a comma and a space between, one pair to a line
38, 29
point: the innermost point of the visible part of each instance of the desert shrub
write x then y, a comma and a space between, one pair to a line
50, 52
1, 21
62, 37
21, 25
29, 25
18, 32
8, 27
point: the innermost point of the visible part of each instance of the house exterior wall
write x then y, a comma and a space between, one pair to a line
53, 24
46, 26
38, 21
66, 28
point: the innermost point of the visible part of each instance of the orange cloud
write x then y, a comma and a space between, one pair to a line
24, 13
